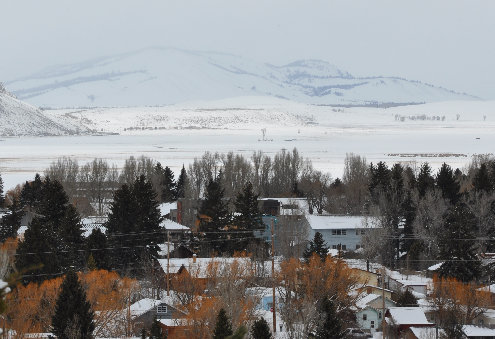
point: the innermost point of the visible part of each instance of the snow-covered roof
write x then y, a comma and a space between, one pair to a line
366, 299
330, 222
173, 226
199, 268
408, 316
435, 267
173, 322
166, 207
425, 332
142, 306
409, 279
476, 331
91, 223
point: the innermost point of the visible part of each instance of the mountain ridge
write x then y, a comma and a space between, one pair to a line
163, 76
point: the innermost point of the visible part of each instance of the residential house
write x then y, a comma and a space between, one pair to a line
339, 232
400, 319
370, 310
144, 311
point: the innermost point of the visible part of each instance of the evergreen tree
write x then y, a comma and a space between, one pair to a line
96, 245
407, 299
168, 185
180, 188
2, 196
10, 223
31, 193
329, 326
239, 333
71, 241
248, 216
120, 227
214, 215
261, 330
133, 226
318, 246
379, 180
223, 327
73, 316
156, 331
37, 253
458, 245
448, 184
481, 180
425, 179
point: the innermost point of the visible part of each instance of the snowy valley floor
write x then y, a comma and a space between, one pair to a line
449, 132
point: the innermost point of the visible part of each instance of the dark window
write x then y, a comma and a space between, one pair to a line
161, 309
365, 316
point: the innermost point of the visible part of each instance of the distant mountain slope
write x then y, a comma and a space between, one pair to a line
20, 119
161, 76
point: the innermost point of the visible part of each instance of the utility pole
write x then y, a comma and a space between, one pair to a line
273, 279
168, 263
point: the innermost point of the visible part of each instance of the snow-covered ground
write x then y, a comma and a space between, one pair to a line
449, 132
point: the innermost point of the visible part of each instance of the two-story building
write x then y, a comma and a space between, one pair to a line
339, 232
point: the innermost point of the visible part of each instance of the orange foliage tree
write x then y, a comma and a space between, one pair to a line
30, 308
202, 289
456, 302
302, 286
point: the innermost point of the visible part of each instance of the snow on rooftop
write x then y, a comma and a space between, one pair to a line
408, 316
166, 207
425, 332
200, 267
476, 331
142, 306
328, 222
365, 300
173, 226
435, 267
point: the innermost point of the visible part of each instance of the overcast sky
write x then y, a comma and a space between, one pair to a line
449, 43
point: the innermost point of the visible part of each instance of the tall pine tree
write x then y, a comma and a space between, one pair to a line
316, 246
329, 326
133, 226
168, 185
214, 216
96, 245
481, 180
458, 245
73, 316
425, 179
223, 327
448, 184
180, 188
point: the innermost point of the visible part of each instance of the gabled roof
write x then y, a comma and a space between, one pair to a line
173, 226
407, 316
425, 332
142, 306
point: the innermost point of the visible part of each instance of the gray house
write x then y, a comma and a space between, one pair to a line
339, 232
144, 311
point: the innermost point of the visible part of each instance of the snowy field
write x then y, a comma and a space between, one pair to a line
449, 132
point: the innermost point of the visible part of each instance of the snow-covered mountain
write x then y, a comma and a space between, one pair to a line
20, 119
162, 76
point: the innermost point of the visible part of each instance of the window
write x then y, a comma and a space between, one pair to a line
365, 316
358, 246
161, 309
344, 248
363, 232
344, 232
372, 324
357, 232
334, 232
334, 247
379, 315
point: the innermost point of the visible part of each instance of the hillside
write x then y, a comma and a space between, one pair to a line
20, 119
163, 76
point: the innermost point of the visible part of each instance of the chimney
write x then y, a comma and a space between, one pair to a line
194, 258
